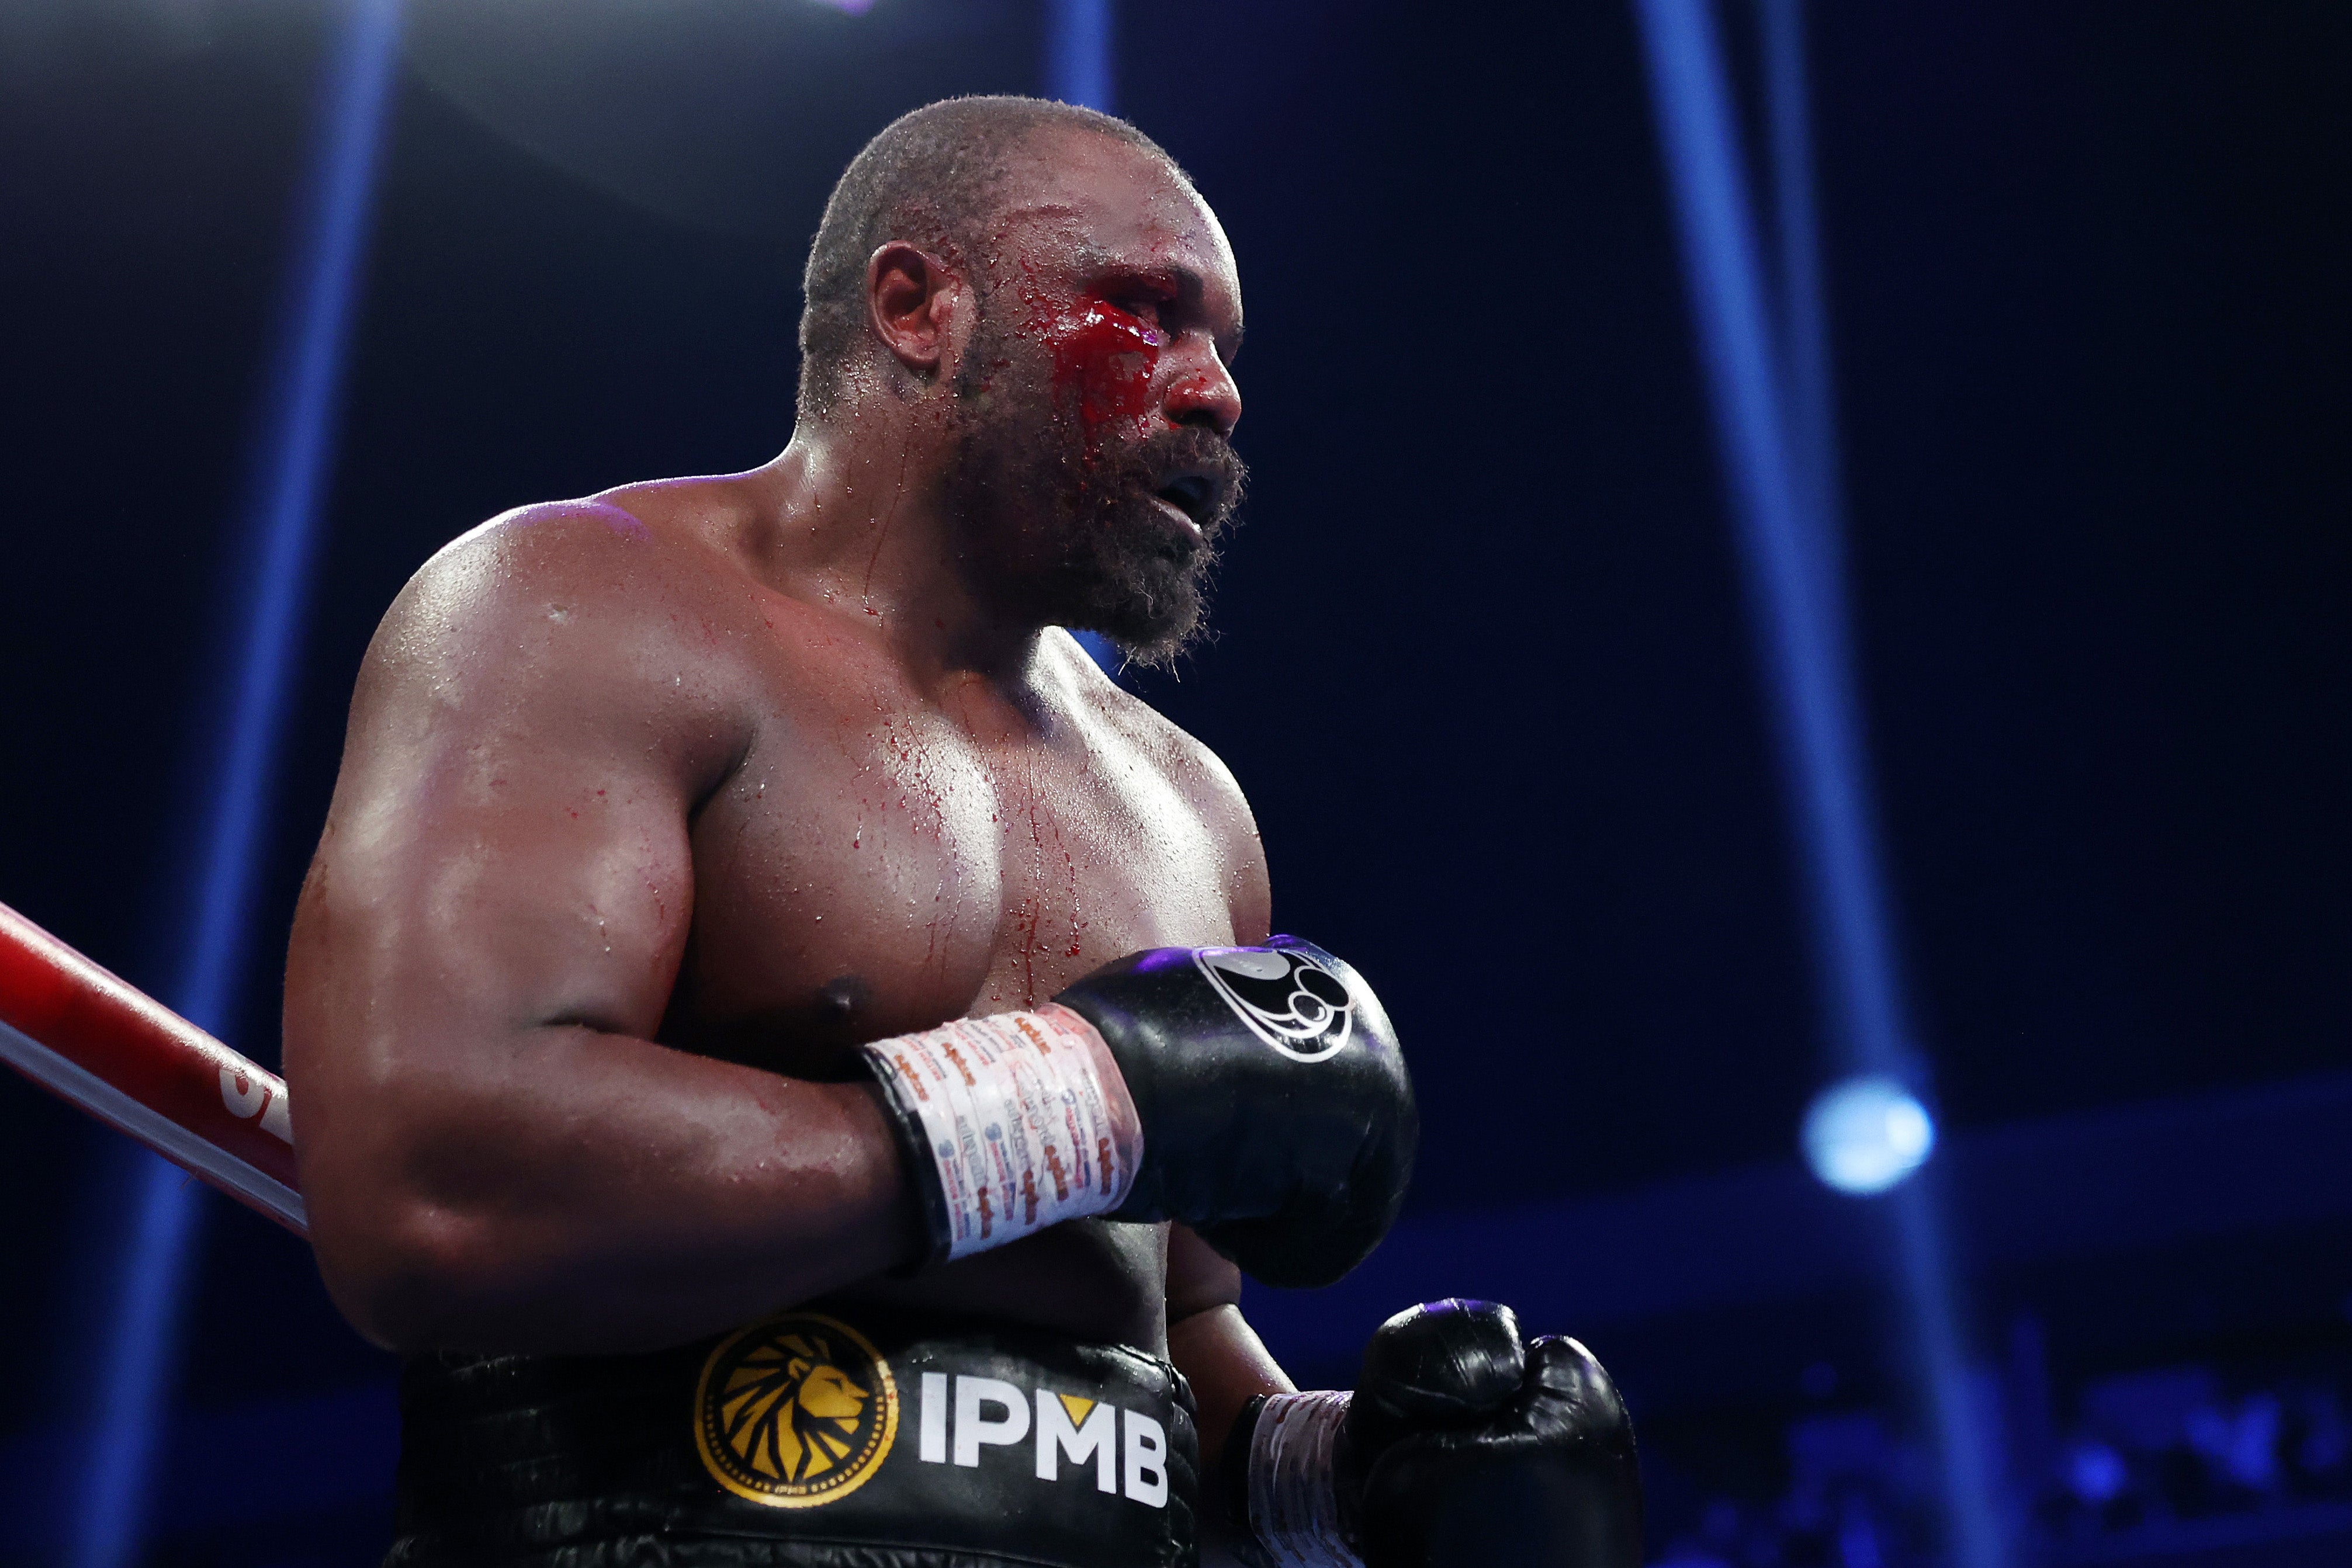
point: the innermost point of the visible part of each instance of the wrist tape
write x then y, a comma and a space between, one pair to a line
1011, 1124
1294, 1498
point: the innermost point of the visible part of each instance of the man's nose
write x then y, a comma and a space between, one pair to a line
1202, 392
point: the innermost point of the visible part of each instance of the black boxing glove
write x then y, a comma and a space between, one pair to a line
1278, 1121
1254, 1093
1549, 1480
1460, 1448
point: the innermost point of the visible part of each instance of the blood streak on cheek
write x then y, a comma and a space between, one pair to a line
1104, 363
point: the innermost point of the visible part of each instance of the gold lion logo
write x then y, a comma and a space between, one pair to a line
794, 1411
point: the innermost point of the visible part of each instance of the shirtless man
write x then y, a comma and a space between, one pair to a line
675, 827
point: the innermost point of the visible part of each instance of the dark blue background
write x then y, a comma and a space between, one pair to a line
1484, 666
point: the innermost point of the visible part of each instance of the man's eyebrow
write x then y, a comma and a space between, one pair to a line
1103, 263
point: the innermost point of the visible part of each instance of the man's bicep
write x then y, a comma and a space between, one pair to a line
519, 880
509, 842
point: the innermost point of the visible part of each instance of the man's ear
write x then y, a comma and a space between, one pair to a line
912, 300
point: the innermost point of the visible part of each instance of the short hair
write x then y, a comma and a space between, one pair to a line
932, 177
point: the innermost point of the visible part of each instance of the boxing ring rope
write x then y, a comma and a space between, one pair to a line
98, 1042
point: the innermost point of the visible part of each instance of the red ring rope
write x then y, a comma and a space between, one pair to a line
100, 1043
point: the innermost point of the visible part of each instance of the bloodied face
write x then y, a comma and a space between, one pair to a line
1093, 471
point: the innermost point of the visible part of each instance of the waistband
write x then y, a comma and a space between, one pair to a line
828, 1437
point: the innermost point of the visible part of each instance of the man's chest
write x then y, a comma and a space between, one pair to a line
878, 872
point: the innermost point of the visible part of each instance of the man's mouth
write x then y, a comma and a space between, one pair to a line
1190, 497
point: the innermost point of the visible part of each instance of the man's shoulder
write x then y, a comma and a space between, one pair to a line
1179, 755
599, 545
610, 559
587, 593
1197, 774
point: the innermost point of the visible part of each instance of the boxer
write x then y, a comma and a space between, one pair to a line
794, 1057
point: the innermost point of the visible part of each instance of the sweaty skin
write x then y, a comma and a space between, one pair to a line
654, 806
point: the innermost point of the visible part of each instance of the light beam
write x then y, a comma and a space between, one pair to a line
1772, 411
1079, 69
1079, 53
280, 540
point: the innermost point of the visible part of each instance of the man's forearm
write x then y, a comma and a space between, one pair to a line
1227, 1365
596, 1193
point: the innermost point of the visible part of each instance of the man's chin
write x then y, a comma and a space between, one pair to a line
1154, 619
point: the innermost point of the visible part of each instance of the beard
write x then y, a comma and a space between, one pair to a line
1060, 517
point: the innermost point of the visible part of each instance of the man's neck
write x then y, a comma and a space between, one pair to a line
859, 522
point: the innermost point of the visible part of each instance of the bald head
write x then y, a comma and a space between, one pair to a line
935, 178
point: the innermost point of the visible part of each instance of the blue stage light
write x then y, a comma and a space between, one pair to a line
281, 540
1078, 70
1767, 375
2096, 1474
1867, 1134
1079, 54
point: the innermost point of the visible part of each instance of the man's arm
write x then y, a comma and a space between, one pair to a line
494, 1150
1207, 1338
1224, 1360
1210, 1343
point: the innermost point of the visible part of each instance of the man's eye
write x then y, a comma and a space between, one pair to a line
1145, 310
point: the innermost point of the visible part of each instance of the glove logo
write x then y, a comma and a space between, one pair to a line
794, 1411
1288, 1000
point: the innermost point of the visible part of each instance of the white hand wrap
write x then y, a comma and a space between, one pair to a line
1293, 1503
1025, 1116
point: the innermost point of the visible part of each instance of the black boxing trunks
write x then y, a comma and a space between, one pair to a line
827, 1437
